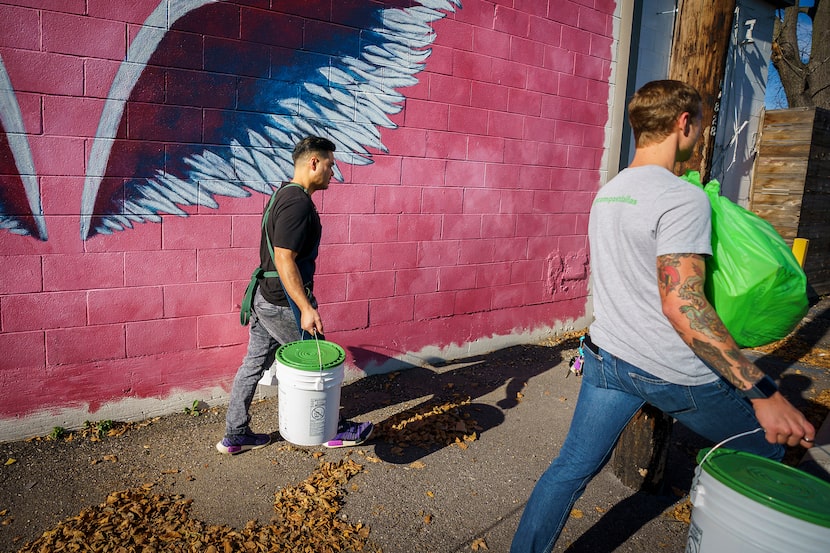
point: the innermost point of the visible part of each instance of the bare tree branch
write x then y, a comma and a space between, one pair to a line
806, 84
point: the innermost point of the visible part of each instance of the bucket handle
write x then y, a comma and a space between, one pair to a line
319, 354
735, 437
319, 384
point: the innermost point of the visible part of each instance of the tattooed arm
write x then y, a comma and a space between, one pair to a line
681, 278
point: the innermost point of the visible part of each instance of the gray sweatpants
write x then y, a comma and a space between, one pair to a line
270, 327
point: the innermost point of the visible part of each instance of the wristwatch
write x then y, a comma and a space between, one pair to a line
762, 389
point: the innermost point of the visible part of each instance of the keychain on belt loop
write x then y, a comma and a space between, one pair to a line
575, 365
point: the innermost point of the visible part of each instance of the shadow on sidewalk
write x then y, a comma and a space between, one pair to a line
813, 332
807, 347
621, 522
443, 409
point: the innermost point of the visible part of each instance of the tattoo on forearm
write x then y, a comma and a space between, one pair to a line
691, 290
703, 319
722, 361
713, 357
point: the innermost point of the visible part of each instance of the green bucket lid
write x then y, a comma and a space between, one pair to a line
778, 486
304, 355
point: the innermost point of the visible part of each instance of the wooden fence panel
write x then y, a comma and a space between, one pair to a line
791, 184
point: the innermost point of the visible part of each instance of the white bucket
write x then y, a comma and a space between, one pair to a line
269, 377
309, 373
744, 503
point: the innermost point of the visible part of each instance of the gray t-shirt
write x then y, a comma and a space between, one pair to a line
642, 213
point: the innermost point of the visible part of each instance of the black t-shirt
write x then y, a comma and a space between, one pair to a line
294, 224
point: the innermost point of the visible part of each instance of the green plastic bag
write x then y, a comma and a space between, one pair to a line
752, 279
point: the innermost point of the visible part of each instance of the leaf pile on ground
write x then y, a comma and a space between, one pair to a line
797, 350
438, 423
138, 520
306, 513
681, 511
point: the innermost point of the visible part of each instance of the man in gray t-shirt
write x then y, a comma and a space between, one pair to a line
656, 338
643, 213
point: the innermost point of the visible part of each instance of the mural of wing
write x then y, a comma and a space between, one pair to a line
192, 117
20, 208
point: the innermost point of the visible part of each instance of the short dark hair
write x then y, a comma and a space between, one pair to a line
312, 145
655, 107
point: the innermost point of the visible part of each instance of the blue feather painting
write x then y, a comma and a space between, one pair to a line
194, 115
20, 208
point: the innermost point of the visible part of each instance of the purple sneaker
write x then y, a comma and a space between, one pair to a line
351, 433
243, 442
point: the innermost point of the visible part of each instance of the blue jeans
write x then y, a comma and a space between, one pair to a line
269, 328
612, 391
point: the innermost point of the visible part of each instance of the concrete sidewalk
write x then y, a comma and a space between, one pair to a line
815, 330
812, 337
816, 460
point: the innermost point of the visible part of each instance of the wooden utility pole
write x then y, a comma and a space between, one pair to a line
702, 32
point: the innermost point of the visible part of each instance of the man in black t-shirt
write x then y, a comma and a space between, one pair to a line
283, 308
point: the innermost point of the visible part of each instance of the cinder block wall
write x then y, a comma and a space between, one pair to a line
464, 232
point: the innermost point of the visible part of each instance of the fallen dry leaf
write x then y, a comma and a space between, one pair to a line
576, 513
682, 511
437, 423
479, 545
139, 520
793, 348
10, 461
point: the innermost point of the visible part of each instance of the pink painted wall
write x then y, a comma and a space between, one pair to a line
470, 223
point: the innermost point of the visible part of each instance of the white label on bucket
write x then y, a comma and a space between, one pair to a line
695, 535
317, 417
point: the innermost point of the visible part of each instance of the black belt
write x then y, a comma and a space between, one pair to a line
590, 345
